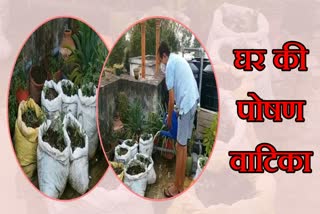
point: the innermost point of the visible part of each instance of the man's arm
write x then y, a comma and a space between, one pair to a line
170, 108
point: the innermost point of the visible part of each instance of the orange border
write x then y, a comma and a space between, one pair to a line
97, 104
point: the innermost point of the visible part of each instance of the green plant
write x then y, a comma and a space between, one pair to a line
122, 104
54, 135
135, 120
210, 135
145, 136
55, 63
13, 111
19, 79
69, 89
118, 69
88, 57
31, 119
88, 90
154, 120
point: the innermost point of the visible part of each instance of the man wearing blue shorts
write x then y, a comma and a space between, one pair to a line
183, 91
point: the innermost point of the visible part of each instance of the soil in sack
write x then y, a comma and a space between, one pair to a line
76, 137
135, 169
118, 170
30, 118
122, 151
54, 135
50, 94
144, 160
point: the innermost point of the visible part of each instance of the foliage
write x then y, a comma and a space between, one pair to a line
13, 111
122, 104
69, 89
88, 57
55, 63
88, 90
19, 79
210, 135
118, 68
135, 120
118, 52
154, 121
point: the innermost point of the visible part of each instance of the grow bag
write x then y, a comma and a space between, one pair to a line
52, 108
87, 118
79, 163
118, 165
26, 138
151, 177
53, 165
68, 104
137, 183
121, 158
146, 146
133, 150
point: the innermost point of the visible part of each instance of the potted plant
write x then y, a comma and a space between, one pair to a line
20, 82
37, 77
54, 68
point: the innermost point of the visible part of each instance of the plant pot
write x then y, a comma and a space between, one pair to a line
136, 72
168, 144
36, 85
67, 43
22, 94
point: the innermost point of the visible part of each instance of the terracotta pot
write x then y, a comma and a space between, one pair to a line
22, 94
34, 87
67, 40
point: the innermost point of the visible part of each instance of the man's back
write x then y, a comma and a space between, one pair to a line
179, 76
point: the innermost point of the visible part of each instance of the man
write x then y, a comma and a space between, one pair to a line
183, 90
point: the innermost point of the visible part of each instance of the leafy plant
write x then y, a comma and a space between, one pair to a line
69, 89
145, 136
88, 57
19, 79
154, 121
118, 68
135, 120
55, 63
13, 111
210, 135
122, 104
31, 119
88, 90
54, 135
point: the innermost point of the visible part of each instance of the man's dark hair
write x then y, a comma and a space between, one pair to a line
163, 49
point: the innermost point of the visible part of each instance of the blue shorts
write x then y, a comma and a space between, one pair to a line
185, 126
